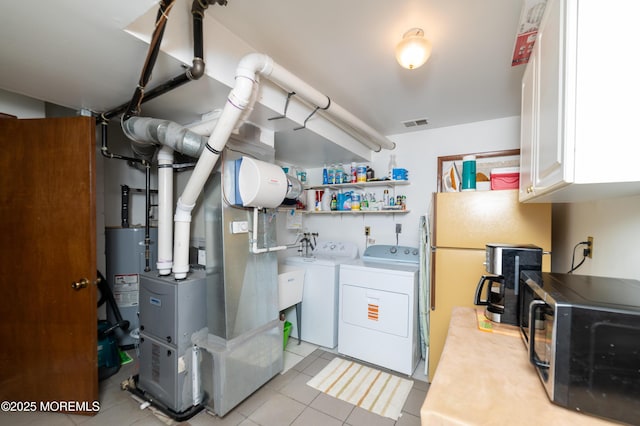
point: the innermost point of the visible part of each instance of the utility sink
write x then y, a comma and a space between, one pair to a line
290, 285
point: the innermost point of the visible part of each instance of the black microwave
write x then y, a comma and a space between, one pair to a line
583, 339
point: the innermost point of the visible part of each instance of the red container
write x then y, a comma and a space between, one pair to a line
505, 178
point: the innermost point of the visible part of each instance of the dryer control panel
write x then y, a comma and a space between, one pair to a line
391, 253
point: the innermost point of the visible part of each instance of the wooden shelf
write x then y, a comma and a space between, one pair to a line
352, 212
362, 185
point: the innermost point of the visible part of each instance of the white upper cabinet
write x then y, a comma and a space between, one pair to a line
580, 104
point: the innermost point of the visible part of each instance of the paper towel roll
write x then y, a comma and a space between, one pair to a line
261, 184
310, 199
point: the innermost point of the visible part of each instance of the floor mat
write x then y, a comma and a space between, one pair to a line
374, 390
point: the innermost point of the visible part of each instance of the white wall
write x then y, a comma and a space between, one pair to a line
614, 225
20, 106
418, 152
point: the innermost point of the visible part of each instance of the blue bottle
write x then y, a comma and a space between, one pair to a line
325, 175
332, 175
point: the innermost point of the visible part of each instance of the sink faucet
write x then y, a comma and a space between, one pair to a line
308, 243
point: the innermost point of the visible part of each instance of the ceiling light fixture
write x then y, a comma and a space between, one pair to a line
414, 50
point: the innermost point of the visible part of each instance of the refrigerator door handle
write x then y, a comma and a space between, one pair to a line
432, 284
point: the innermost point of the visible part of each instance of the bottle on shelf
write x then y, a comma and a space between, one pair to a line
326, 200
392, 165
361, 173
339, 174
325, 175
369, 174
355, 201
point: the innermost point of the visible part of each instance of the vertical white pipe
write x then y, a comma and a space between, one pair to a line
238, 100
165, 204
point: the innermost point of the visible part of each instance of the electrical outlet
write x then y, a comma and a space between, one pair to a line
367, 230
398, 228
590, 242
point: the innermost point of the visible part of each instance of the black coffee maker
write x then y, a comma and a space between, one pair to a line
505, 262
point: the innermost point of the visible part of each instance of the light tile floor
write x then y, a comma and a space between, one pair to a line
284, 400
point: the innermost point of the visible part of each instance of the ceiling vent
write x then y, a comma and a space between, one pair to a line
417, 122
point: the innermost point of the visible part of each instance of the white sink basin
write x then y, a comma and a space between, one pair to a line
290, 285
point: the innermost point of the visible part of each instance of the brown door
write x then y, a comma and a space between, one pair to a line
48, 330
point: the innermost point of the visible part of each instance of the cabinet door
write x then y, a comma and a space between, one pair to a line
549, 152
528, 132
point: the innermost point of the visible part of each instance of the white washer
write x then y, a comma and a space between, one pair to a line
319, 306
378, 320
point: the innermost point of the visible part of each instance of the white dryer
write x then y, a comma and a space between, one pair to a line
378, 321
319, 316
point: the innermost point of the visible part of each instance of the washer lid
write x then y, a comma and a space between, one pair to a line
313, 261
344, 250
367, 265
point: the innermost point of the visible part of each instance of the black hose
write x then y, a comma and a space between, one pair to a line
107, 296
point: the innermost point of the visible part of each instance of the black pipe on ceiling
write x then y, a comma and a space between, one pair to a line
191, 73
150, 61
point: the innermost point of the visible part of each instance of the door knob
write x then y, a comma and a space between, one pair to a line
83, 283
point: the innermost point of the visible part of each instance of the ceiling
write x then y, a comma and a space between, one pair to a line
76, 54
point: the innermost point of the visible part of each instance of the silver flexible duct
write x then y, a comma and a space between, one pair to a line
147, 134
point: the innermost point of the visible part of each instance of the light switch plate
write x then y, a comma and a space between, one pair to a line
239, 227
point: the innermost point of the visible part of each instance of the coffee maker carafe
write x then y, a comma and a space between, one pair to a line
504, 262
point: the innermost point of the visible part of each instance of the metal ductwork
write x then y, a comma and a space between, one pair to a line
148, 134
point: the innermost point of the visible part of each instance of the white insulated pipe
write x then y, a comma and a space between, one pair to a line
240, 98
237, 101
165, 203
342, 118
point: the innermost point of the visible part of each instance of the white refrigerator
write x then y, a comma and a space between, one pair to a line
461, 224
